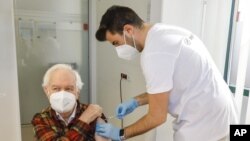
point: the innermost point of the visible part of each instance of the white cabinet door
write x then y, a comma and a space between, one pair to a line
9, 102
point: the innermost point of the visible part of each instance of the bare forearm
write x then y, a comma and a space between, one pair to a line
143, 125
142, 99
157, 114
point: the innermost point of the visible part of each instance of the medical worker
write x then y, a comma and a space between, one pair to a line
181, 79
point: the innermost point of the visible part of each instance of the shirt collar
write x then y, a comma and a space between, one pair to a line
72, 116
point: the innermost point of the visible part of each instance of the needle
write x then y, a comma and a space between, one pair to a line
110, 117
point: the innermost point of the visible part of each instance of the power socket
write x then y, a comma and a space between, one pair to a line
124, 76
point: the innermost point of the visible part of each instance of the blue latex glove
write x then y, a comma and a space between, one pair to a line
125, 108
108, 131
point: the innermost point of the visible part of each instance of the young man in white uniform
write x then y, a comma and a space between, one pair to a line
181, 79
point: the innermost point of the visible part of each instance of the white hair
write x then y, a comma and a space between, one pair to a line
52, 69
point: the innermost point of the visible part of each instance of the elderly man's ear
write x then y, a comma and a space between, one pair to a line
46, 91
78, 94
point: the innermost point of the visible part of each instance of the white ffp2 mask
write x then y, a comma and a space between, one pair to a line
126, 51
62, 101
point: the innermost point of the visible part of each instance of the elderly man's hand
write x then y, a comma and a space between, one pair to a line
91, 113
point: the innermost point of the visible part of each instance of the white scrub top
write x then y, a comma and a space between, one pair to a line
175, 60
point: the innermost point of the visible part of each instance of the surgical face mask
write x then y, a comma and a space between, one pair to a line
62, 101
126, 51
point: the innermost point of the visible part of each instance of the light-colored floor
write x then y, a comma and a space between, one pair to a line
27, 133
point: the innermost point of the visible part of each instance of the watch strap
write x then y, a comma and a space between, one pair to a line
122, 135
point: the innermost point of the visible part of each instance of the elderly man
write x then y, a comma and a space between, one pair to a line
66, 119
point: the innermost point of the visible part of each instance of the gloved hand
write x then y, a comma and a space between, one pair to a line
126, 107
108, 131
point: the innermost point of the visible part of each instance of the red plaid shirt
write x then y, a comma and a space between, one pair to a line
48, 127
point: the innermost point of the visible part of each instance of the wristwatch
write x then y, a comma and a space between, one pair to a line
122, 135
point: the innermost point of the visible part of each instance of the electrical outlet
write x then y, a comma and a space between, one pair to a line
124, 76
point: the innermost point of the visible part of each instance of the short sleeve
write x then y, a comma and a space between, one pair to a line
158, 69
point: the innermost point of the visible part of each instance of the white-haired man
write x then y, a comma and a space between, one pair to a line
66, 119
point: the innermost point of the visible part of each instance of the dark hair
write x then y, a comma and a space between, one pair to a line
114, 19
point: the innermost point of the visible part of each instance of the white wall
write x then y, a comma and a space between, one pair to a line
216, 30
189, 14
9, 100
